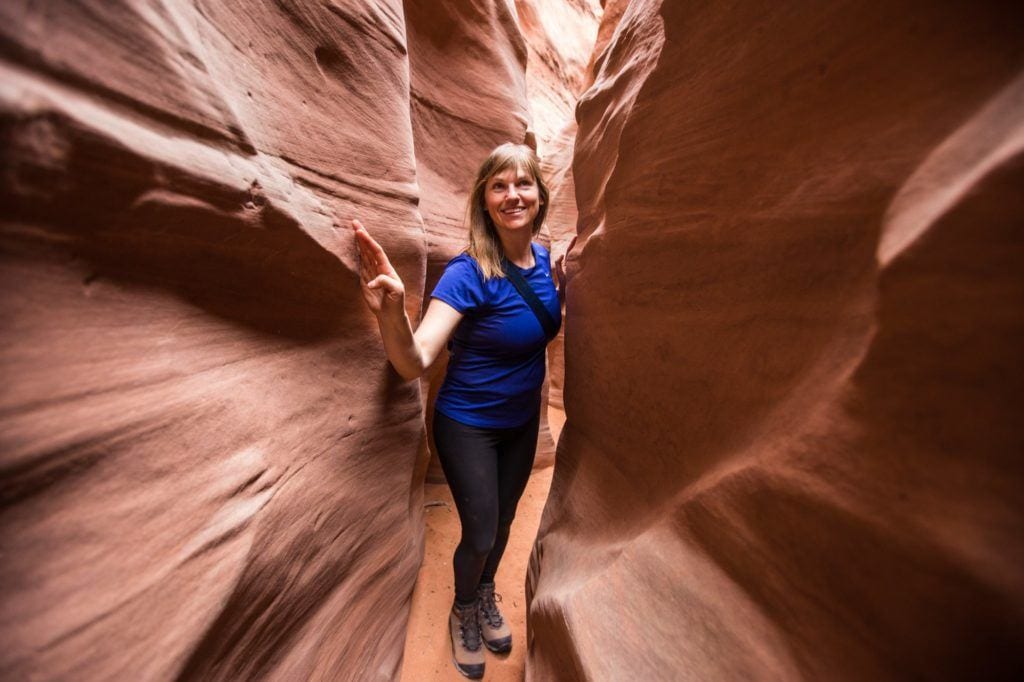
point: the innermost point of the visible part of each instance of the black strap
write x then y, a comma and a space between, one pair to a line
530, 296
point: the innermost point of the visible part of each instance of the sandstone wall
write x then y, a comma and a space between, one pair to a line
562, 219
794, 378
208, 469
560, 37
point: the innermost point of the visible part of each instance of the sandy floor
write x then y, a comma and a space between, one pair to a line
427, 649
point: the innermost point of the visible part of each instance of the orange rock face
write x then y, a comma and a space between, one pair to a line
208, 469
794, 383
560, 37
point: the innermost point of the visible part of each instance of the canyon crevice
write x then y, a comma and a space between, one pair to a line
792, 368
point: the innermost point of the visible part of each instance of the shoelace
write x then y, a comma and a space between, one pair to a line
469, 627
489, 607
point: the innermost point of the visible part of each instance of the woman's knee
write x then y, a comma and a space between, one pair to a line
480, 529
506, 517
480, 544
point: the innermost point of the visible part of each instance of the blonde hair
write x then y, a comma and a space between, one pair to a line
484, 243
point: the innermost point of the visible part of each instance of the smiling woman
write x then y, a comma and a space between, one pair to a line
512, 199
496, 307
506, 208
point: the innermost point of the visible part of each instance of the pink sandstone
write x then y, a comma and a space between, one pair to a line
209, 470
793, 368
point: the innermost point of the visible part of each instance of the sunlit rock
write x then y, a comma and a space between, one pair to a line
794, 380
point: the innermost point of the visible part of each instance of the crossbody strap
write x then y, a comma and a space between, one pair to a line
530, 296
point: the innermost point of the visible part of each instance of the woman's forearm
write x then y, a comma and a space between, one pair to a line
400, 344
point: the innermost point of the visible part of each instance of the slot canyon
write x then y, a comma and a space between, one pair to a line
790, 371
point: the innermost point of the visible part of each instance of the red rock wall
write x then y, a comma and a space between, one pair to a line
794, 381
560, 37
208, 469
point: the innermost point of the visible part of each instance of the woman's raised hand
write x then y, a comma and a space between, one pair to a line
382, 287
559, 269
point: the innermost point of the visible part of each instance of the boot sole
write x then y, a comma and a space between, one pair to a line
499, 648
466, 673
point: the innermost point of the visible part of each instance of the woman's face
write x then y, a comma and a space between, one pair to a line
512, 199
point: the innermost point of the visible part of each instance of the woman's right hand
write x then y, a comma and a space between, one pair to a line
382, 287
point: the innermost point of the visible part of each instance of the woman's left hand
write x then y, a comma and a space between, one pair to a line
560, 269
383, 289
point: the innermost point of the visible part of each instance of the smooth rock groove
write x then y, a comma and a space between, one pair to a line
793, 337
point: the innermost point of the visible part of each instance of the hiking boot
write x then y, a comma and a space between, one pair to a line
467, 649
496, 632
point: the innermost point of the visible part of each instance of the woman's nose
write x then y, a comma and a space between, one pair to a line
511, 192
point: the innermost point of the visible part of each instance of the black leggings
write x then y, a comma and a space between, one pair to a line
487, 470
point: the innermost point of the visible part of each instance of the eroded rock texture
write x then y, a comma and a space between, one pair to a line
208, 470
794, 378
560, 37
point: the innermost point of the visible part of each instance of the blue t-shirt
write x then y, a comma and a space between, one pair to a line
496, 360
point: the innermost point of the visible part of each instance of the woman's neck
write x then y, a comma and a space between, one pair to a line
516, 246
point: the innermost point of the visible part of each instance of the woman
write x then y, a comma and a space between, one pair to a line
488, 409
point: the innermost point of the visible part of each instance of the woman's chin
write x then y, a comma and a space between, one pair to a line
518, 225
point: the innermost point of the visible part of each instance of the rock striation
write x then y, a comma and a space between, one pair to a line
560, 37
793, 379
207, 468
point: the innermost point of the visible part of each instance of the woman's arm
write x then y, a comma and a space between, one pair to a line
410, 353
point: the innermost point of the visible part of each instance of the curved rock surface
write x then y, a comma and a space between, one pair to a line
794, 378
560, 36
563, 216
208, 470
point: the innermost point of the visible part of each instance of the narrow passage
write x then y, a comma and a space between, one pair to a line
427, 650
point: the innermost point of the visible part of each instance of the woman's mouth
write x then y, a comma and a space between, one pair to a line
514, 211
